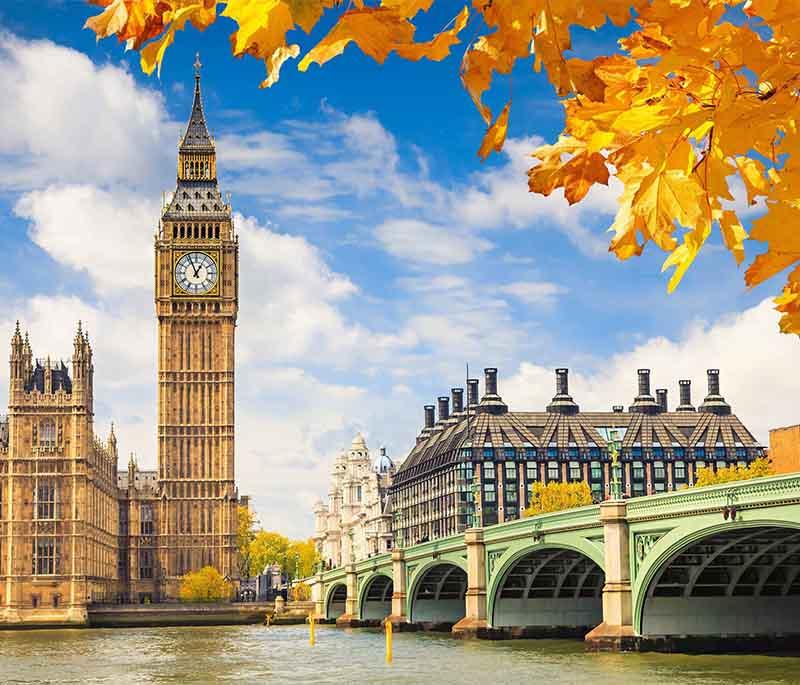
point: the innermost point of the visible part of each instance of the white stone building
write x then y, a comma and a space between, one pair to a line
357, 521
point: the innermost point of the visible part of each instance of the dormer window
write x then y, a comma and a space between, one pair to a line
205, 208
191, 208
185, 195
197, 196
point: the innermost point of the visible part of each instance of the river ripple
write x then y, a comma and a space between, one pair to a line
254, 654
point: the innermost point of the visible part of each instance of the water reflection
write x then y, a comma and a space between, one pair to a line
254, 654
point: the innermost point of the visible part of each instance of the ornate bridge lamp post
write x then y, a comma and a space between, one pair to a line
475, 488
398, 533
614, 447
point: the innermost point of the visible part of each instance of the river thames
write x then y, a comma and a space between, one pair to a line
255, 654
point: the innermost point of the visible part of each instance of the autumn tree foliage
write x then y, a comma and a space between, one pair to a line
297, 558
701, 97
245, 534
555, 496
205, 585
756, 469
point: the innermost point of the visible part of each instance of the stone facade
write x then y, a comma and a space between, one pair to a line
58, 491
73, 529
357, 521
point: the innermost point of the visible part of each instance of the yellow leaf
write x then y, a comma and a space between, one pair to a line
496, 135
438, 48
778, 228
733, 234
152, 55
377, 31
752, 174
788, 302
112, 20
275, 62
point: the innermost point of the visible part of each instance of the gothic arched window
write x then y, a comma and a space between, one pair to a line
47, 433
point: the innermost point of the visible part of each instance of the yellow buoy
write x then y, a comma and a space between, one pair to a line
311, 634
388, 641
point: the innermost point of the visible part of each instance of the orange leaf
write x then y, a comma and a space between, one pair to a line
778, 228
496, 135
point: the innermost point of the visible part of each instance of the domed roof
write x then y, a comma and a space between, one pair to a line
383, 464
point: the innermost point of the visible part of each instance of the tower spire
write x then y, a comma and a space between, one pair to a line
197, 139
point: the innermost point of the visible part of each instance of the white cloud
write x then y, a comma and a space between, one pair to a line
109, 235
65, 117
758, 371
534, 292
424, 243
499, 198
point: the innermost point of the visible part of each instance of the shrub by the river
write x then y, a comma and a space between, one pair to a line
205, 585
557, 496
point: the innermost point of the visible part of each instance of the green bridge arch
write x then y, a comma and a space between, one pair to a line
684, 537
521, 549
421, 571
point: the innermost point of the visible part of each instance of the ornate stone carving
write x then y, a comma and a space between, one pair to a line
643, 543
493, 556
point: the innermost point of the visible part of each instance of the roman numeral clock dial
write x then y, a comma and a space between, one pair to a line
196, 273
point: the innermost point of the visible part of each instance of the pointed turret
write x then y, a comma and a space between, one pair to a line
197, 138
17, 359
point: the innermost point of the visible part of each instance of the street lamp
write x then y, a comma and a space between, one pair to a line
475, 488
614, 447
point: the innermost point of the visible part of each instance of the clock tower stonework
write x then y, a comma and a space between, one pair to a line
196, 298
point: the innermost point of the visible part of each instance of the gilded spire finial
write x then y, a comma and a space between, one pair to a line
197, 65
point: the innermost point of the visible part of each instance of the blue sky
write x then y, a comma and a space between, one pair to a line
379, 255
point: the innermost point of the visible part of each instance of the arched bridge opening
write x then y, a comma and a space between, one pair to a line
438, 598
336, 602
743, 582
550, 590
376, 603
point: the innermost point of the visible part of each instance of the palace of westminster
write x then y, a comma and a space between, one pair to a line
75, 531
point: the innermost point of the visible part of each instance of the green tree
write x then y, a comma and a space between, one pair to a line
245, 534
268, 548
558, 496
302, 558
756, 469
205, 585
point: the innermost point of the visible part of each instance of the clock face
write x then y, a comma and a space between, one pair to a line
196, 273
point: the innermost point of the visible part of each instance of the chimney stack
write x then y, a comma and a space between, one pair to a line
562, 381
685, 388
490, 384
644, 403
617, 408
661, 398
444, 408
714, 403
472, 392
562, 403
491, 402
713, 381
458, 400
430, 419
644, 381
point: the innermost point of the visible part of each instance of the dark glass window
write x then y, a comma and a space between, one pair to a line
509, 452
488, 452
46, 499
532, 471
552, 452
530, 453
679, 452
45, 557
699, 452
511, 471
594, 452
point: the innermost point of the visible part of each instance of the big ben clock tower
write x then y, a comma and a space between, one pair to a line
196, 297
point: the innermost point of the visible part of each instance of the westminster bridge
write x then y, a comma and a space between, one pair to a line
714, 568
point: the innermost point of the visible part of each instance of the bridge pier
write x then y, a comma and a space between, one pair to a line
398, 617
616, 631
318, 597
474, 622
350, 616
